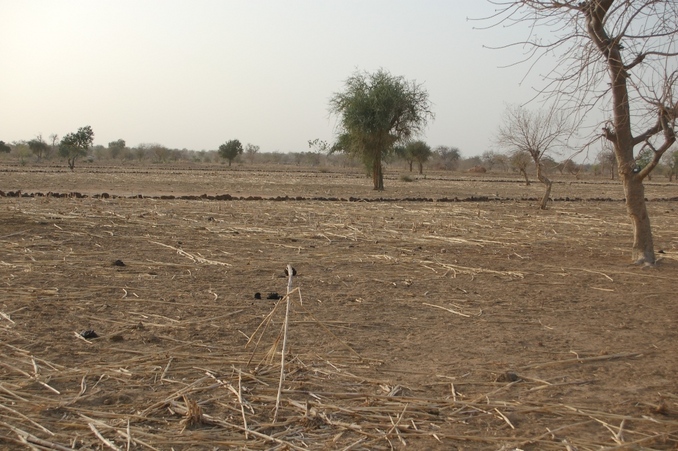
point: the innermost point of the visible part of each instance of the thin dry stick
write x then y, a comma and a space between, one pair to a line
31, 377
21, 415
179, 409
622, 355
195, 258
83, 386
190, 387
125, 434
265, 322
6, 316
505, 418
290, 274
238, 396
36, 371
28, 438
448, 310
242, 408
164, 373
103, 439
395, 425
595, 272
129, 436
11, 393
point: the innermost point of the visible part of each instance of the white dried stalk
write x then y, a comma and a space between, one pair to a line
290, 275
103, 439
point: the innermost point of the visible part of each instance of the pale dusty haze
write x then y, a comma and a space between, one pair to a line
196, 74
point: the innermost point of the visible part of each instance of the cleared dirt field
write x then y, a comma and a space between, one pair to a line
415, 322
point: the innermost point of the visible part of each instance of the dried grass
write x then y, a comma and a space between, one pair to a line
279, 391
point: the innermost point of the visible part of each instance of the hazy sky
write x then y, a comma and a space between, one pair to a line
194, 74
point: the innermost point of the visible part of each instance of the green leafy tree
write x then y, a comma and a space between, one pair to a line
619, 54
377, 111
4, 148
420, 152
22, 151
644, 158
75, 145
38, 147
230, 150
670, 159
400, 152
116, 148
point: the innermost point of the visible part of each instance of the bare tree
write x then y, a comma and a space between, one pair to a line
54, 143
501, 161
448, 157
535, 134
251, 152
619, 54
489, 159
607, 160
520, 160
568, 166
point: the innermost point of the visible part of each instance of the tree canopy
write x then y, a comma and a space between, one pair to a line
116, 147
38, 147
75, 145
418, 151
230, 150
671, 160
4, 148
377, 111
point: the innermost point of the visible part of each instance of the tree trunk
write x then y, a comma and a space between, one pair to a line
421, 168
643, 247
620, 134
527, 180
410, 163
548, 183
71, 163
377, 173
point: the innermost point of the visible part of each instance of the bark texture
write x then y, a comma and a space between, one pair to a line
547, 183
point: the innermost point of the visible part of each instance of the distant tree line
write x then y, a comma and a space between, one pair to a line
416, 155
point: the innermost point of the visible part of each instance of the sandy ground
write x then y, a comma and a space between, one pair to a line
412, 324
